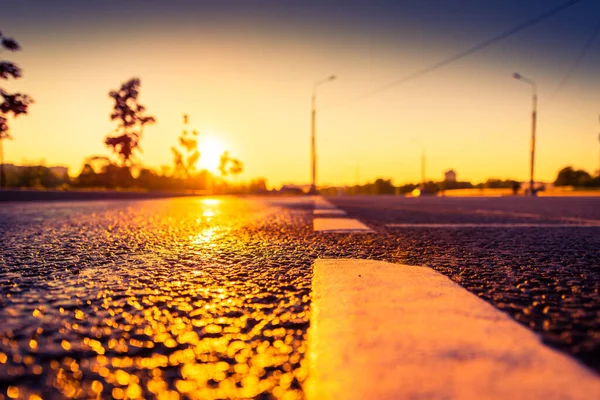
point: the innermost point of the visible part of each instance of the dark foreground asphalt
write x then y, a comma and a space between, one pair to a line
210, 299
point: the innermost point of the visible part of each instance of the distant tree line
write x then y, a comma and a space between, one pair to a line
99, 174
569, 176
566, 177
385, 186
102, 173
35, 176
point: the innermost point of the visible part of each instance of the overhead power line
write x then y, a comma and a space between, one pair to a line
575, 65
478, 47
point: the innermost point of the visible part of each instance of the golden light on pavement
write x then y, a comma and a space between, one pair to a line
204, 237
211, 202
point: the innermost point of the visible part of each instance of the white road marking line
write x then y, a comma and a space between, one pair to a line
321, 203
584, 221
339, 225
329, 212
494, 225
388, 331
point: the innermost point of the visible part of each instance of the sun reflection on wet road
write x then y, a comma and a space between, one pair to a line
165, 299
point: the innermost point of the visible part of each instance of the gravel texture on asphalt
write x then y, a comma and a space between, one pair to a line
197, 298
210, 298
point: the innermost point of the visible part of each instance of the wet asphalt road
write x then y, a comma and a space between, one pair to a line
210, 298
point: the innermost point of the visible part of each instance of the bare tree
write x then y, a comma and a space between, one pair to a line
15, 104
131, 121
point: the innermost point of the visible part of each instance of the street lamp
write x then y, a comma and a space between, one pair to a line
313, 116
520, 77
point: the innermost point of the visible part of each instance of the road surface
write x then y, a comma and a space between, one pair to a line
212, 297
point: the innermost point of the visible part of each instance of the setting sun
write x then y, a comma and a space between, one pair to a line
211, 148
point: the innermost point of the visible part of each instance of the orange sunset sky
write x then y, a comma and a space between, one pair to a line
244, 74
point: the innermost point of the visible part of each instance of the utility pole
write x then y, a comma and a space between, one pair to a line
313, 146
533, 129
520, 77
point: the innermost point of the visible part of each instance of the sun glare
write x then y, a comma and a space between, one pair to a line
211, 149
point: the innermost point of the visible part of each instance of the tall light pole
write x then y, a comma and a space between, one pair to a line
313, 128
520, 77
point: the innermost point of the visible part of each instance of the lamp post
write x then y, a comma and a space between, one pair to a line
313, 117
520, 77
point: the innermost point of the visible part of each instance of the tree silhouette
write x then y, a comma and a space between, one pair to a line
229, 165
100, 171
179, 166
571, 177
15, 104
236, 167
131, 121
224, 160
185, 165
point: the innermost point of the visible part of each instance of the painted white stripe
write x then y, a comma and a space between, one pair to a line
339, 225
388, 331
330, 212
494, 225
585, 221
321, 203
